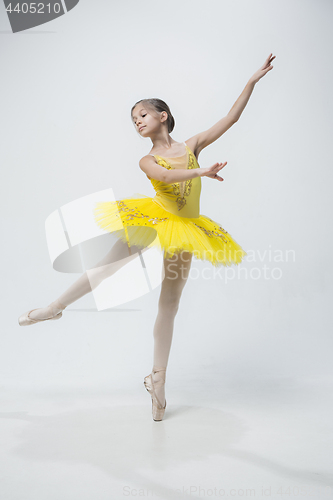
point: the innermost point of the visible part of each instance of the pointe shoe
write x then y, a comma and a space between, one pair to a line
25, 320
157, 409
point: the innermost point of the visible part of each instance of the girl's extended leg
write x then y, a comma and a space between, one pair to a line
118, 256
176, 273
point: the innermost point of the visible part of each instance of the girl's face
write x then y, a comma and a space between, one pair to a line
144, 122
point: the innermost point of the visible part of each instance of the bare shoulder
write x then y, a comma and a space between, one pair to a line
148, 164
147, 160
192, 143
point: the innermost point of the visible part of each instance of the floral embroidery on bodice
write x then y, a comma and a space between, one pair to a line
179, 198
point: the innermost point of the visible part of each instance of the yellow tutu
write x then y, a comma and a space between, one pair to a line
156, 222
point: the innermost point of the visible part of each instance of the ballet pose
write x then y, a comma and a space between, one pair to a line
171, 222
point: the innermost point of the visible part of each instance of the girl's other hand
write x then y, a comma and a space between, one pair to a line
212, 171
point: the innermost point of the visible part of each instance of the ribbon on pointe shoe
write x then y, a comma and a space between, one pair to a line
56, 309
58, 306
153, 385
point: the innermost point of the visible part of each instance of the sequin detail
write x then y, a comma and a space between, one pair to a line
136, 213
213, 233
177, 186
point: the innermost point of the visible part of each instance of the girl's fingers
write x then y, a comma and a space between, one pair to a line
216, 168
222, 165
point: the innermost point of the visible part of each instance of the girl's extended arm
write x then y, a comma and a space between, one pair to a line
203, 139
155, 171
238, 107
179, 175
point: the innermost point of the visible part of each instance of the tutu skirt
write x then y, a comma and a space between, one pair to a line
142, 222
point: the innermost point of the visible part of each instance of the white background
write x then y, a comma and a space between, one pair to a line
67, 88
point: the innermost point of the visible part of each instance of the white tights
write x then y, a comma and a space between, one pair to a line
176, 272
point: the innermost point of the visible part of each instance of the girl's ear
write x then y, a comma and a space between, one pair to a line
164, 116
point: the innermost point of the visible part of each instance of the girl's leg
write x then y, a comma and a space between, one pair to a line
117, 257
176, 273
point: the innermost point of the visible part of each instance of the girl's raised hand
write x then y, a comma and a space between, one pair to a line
267, 66
212, 171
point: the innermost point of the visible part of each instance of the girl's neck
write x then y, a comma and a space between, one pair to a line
165, 146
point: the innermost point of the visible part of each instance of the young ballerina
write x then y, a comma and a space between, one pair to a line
170, 221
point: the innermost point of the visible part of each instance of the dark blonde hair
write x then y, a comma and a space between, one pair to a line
157, 106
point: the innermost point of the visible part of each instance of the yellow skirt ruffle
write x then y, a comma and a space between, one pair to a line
144, 223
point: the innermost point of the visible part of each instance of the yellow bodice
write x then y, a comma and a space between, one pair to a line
171, 221
179, 198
